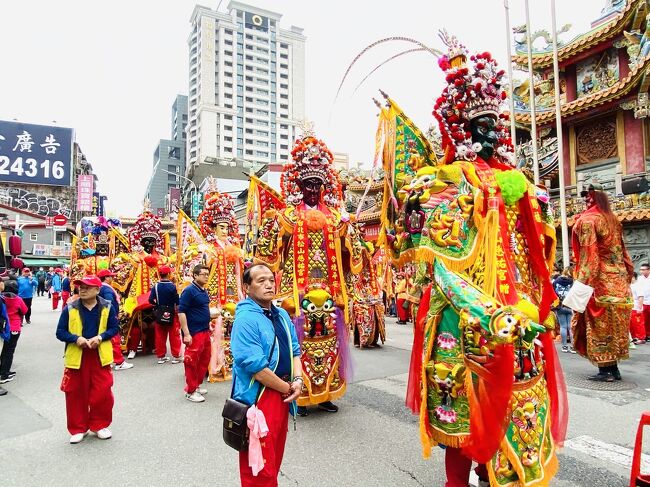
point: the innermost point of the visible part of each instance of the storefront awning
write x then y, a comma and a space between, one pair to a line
42, 262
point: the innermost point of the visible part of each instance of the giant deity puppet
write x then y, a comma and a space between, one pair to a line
307, 243
219, 227
484, 375
135, 274
96, 242
601, 332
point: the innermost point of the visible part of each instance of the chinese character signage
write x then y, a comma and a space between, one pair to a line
174, 200
35, 154
196, 209
98, 204
85, 192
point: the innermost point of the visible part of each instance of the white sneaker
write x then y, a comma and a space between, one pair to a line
162, 360
123, 366
177, 360
78, 438
131, 354
195, 397
201, 390
104, 434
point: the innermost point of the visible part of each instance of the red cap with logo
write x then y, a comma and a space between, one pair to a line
89, 281
105, 273
164, 269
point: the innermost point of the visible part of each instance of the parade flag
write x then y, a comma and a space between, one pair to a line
261, 198
404, 150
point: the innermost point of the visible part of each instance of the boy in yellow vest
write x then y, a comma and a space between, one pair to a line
86, 326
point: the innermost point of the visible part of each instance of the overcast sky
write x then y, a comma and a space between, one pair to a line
111, 70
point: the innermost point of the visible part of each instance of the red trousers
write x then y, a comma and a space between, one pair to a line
171, 331
402, 314
646, 319
458, 467
88, 394
65, 295
637, 326
197, 359
134, 338
118, 357
55, 299
276, 413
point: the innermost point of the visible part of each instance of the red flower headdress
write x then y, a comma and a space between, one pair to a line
472, 90
310, 159
147, 225
218, 208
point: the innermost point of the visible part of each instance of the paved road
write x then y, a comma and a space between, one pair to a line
160, 439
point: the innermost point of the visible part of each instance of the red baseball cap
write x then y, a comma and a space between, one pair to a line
58, 269
89, 281
106, 273
165, 269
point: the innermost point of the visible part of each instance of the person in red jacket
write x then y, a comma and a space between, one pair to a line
16, 309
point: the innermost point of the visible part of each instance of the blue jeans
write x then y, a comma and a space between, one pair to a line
564, 317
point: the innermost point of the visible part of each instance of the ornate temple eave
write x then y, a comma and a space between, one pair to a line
622, 88
374, 217
375, 186
601, 34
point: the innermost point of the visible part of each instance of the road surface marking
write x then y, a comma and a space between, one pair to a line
607, 452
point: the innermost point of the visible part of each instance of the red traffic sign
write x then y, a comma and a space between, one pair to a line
60, 220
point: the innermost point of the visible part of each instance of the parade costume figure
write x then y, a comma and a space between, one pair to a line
484, 375
219, 227
364, 291
601, 333
135, 274
307, 244
96, 243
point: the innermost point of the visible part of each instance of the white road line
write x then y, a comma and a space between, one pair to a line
607, 452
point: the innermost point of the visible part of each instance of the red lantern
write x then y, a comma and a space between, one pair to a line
15, 245
17, 263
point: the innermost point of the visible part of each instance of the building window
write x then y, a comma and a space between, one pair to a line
249, 152
228, 139
249, 110
249, 141
284, 97
249, 120
249, 131
286, 87
260, 153
33, 237
228, 63
286, 107
240, 120
285, 147
283, 126
248, 98
249, 78
240, 152
171, 177
228, 117
284, 76
284, 56
284, 46
240, 142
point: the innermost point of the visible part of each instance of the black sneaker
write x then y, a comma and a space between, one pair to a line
5, 378
303, 411
11, 373
607, 377
328, 406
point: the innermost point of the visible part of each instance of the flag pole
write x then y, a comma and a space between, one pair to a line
513, 131
566, 259
531, 88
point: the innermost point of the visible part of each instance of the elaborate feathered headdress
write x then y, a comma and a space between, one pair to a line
147, 225
310, 159
218, 208
472, 90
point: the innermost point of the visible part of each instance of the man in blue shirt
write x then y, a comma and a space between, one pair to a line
194, 315
267, 370
55, 289
109, 294
26, 286
86, 326
164, 294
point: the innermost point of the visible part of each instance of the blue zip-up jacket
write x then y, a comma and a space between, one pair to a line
26, 286
56, 283
251, 340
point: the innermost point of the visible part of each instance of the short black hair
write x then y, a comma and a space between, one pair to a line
196, 270
103, 278
247, 278
11, 286
645, 264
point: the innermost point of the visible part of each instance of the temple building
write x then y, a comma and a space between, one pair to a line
604, 109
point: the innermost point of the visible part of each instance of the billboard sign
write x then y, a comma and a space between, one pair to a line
174, 200
35, 154
85, 186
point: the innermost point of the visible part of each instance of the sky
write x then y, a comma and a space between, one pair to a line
111, 70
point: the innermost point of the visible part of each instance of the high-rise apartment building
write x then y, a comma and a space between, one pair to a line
169, 158
246, 92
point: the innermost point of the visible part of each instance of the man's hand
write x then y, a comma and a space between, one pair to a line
82, 343
296, 389
94, 342
187, 339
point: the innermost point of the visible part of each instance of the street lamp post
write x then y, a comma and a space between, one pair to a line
194, 188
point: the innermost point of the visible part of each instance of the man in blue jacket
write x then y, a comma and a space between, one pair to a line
267, 370
56, 288
26, 286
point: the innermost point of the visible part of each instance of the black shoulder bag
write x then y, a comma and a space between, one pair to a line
235, 424
163, 314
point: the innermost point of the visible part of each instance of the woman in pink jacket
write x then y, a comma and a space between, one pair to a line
16, 309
